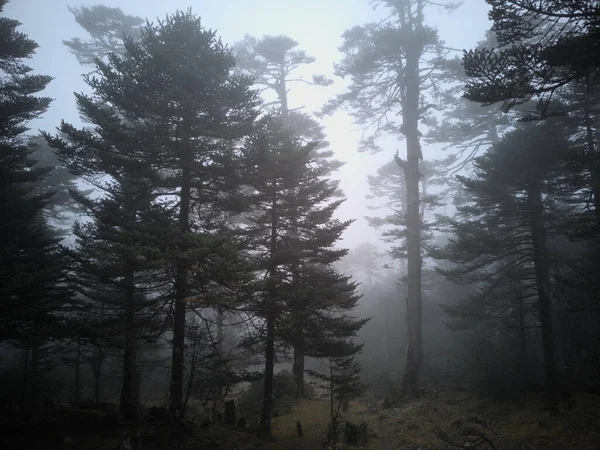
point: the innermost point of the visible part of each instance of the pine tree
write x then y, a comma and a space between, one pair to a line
342, 382
547, 44
294, 231
273, 62
392, 64
167, 115
503, 230
108, 29
32, 267
58, 181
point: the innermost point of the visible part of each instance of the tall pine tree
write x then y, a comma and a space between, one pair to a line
32, 269
291, 220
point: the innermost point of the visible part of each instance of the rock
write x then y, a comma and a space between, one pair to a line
240, 422
363, 433
229, 417
351, 433
356, 434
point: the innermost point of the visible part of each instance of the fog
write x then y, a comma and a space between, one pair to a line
317, 26
299, 224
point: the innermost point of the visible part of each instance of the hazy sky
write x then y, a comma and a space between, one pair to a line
316, 24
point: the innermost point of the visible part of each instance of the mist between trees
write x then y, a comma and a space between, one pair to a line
183, 245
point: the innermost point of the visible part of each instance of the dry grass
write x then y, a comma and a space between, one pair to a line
510, 426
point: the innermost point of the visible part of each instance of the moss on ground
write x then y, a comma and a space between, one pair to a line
412, 426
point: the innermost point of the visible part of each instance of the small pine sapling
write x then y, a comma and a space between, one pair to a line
342, 382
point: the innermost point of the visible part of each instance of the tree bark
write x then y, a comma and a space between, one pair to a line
77, 382
538, 234
410, 116
130, 390
522, 338
97, 359
265, 418
219, 393
34, 400
298, 365
298, 370
177, 361
25, 378
593, 154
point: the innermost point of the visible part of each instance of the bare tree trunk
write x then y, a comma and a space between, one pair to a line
77, 381
521, 337
538, 234
97, 369
34, 400
219, 393
177, 361
130, 390
591, 145
192, 366
410, 115
298, 370
25, 378
265, 418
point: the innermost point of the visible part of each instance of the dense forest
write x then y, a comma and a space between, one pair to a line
173, 272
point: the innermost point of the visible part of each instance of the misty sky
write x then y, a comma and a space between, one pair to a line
316, 24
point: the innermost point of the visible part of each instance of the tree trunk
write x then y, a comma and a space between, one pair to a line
25, 378
34, 379
522, 338
265, 418
593, 154
192, 367
538, 234
97, 360
130, 390
388, 338
97, 384
77, 382
219, 393
410, 116
298, 370
177, 361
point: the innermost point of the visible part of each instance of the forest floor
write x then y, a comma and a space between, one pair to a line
462, 417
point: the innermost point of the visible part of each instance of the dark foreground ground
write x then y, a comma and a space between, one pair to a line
455, 416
